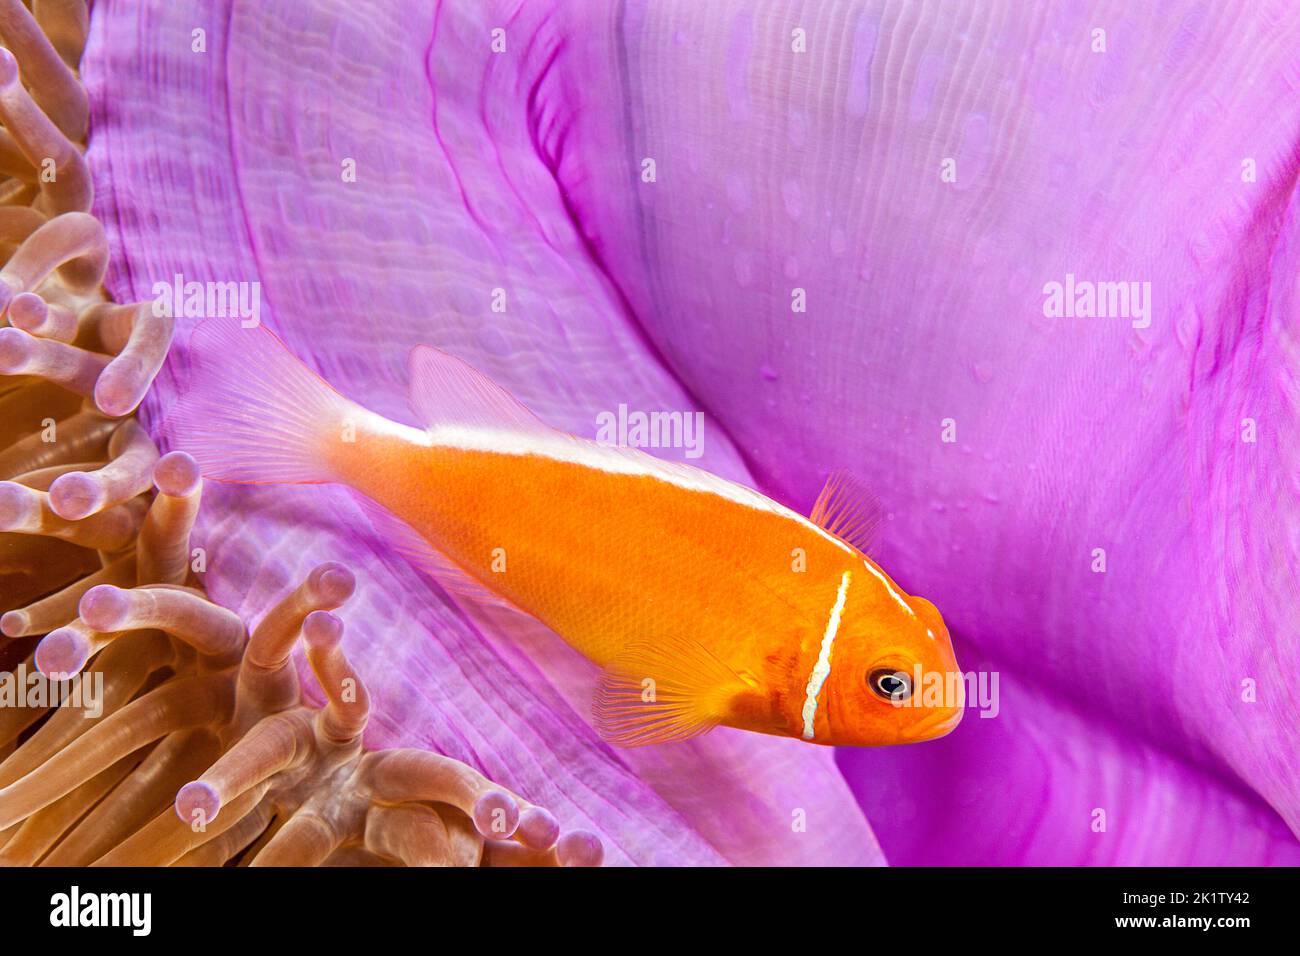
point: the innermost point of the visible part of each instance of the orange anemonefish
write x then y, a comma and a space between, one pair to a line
703, 601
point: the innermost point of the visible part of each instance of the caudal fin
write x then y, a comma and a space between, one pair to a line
251, 411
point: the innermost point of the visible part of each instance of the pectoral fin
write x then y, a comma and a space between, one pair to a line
664, 691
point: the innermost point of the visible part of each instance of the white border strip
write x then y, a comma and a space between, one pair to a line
822, 669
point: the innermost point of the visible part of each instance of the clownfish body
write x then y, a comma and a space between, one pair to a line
704, 602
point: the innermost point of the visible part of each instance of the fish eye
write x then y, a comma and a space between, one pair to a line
890, 684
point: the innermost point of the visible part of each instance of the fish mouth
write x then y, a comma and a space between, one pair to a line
935, 725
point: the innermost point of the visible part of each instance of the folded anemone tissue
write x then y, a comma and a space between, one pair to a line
653, 432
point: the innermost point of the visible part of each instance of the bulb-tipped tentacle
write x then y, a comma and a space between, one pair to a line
44, 828
347, 707
124, 667
60, 608
72, 244
213, 631
166, 838
266, 681
399, 776
66, 650
75, 369
129, 473
306, 839
138, 338
231, 843
186, 703
410, 832
82, 436
66, 23
69, 189
277, 743
164, 547
137, 799
29, 312
54, 86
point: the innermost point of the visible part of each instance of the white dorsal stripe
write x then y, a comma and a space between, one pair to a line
822, 669
616, 460
898, 598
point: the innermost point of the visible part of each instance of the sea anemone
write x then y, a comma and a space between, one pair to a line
147, 727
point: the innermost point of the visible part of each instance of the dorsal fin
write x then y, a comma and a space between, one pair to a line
445, 390
846, 509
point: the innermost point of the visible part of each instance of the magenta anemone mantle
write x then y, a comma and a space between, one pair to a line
833, 228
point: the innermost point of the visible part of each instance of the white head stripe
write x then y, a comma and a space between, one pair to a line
822, 669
